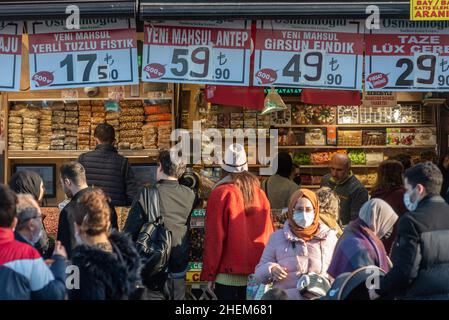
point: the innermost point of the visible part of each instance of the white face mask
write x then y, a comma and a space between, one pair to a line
409, 204
303, 219
38, 234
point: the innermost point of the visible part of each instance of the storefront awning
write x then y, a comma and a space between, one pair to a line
219, 9
36, 9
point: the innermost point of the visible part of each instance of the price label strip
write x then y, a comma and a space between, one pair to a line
310, 54
10, 55
207, 52
102, 53
407, 56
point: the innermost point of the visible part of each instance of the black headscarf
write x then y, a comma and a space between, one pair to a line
28, 182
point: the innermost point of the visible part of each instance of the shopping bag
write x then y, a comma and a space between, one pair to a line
254, 289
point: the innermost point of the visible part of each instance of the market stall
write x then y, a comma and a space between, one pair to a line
344, 91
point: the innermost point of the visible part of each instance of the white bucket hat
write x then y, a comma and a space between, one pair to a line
235, 159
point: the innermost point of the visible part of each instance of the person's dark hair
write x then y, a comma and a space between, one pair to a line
285, 164
247, 184
170, 168
403, 158
28, 182
426, 174
275, 294
389, 175
73, 171
93, 212
105, 133
8, 200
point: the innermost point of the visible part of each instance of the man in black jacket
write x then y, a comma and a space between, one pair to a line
108, 170
73, 181
349, 189
176, 204
420, 255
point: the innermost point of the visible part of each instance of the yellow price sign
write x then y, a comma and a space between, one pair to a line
193, 276
426, 10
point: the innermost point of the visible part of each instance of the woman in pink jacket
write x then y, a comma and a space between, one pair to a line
304, 245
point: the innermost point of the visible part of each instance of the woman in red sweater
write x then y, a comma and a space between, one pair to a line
238, 226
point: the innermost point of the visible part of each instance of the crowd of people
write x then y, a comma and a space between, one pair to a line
401, 228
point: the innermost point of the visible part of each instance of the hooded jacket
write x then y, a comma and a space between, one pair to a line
107, 275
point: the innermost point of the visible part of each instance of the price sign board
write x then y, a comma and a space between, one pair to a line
10, 55
407, 55
103, 52
208, 52
317, 53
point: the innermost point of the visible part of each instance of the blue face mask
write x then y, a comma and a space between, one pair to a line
409, 204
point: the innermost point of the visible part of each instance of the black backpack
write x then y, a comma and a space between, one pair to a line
154, 243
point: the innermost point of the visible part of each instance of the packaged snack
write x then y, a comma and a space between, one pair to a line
71, 114
374, 137
331, 138
71, 120
425, 137
315, 137
15, 120
393, 136
85, 108
348, 114
349, 137
408, 136
58, 114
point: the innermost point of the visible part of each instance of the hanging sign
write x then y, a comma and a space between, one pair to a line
10, 55
429, 10
102, 53
208, 52
309, 54
380, 99
407, 56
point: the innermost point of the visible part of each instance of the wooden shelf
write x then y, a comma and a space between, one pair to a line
56, 154
218, 166
391, 125
356, 147
316, 186
305, 166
